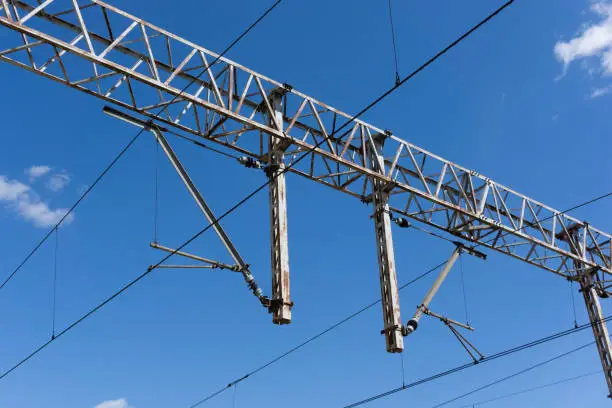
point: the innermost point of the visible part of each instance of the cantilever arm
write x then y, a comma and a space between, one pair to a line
157, 132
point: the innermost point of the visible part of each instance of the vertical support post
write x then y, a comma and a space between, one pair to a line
586, 278
279, 245
600, 329
386, 257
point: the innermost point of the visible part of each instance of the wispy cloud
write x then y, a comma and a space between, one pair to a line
58, 181
120, 403
594, 40
601, 92
22, 200
36, 172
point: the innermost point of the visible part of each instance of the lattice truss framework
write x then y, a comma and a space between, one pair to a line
103, 51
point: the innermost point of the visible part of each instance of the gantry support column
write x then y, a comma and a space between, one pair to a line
386, 257
586, 277
279, 245
600, 329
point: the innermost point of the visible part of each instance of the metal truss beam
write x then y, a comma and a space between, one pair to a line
142, 67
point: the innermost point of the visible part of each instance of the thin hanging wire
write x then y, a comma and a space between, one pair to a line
54, 289
465, 305
571, 290
234, 397
397, 75
156, 190
403, 371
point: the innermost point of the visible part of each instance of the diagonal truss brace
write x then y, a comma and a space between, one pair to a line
242, 266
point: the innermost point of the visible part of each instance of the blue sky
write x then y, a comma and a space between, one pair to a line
525, 101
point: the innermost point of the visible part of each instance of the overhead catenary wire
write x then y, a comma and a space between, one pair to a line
54, 284
309, 340
131, 142
532, 389
487, 359
573, 300
514, 375
465, 302
338, 324
155, 190
394, 40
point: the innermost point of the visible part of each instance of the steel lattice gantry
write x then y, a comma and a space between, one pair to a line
106, 52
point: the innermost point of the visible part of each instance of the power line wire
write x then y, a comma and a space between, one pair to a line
310, 340
221, 390
54, 286
528, 390
132, 141
155, 190
516, 374
397, 75
487, 359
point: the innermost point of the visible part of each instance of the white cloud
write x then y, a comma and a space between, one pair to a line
11, 190
58, 181
21, 199
594, 40
120, 403
36, 172
601, 92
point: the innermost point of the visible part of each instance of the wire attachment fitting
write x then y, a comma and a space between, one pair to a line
250, 163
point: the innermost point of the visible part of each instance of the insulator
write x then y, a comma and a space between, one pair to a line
250, 162
402, 222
